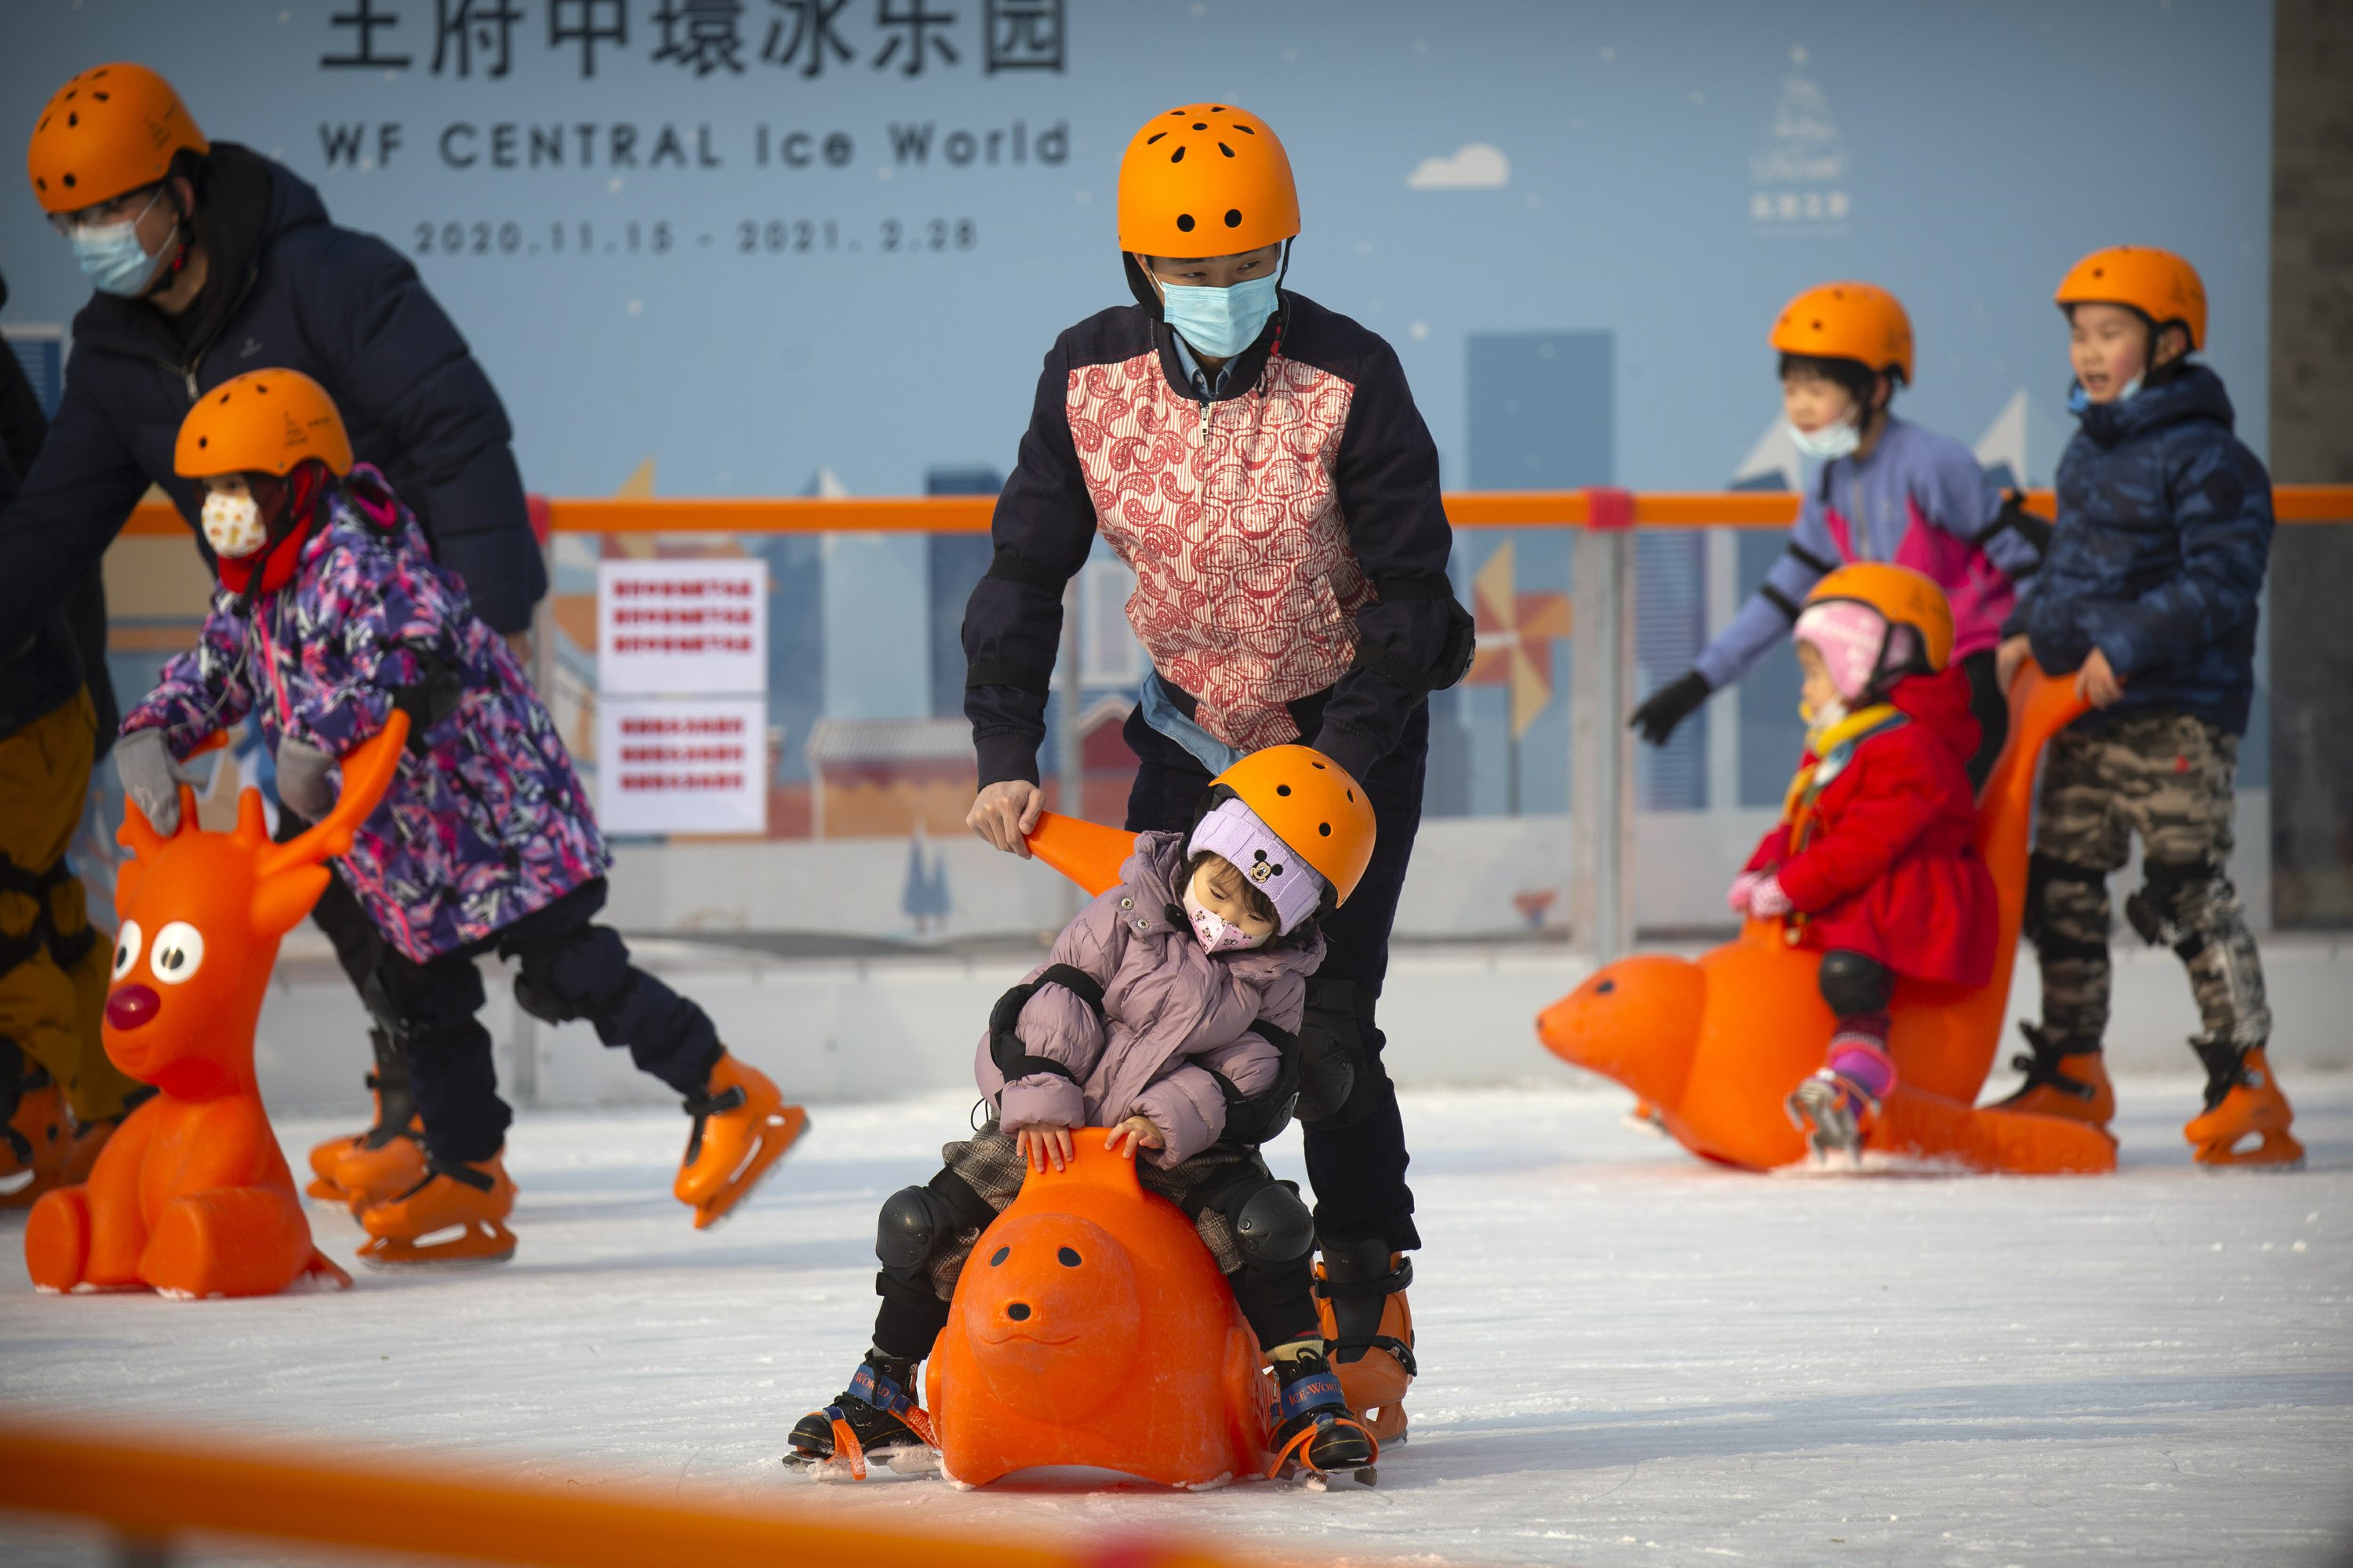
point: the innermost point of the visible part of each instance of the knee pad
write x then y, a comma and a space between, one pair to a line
1853, 983
1271, 1225
909, 1228
574, 975
2046, 873
2175, 904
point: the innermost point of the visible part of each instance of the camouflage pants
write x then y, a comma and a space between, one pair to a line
2165, 777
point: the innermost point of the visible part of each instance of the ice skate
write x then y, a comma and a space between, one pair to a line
36, 1143
455, 1215
875, 1417
742, 1127
1832, 1111
389, 1157
1313, 1425
2242, 1101
1645, 1119
1360, 1298
2063, 1079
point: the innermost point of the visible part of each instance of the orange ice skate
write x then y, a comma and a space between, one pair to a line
2063, 1079
2242, 1101
1360, 1298
389, 1156
471, 1201
742, 1127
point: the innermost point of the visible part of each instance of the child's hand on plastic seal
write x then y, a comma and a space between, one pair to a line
1135, 1133
1044, 1146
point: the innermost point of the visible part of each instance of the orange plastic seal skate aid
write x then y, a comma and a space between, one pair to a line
191, 1196
1092, 1327
1715, 1045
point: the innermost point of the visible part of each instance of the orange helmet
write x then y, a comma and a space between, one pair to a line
2158, 283
1901, 597
1313, 805
263, 421
1207, 179
1861, 322
112, 129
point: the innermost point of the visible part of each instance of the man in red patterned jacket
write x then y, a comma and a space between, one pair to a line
1260, 463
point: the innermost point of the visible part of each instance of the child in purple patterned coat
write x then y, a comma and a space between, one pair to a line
332, 615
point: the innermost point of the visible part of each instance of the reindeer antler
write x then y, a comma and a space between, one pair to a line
367, 774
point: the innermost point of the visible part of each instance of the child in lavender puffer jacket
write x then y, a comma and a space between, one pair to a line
332, 615
1166, 1013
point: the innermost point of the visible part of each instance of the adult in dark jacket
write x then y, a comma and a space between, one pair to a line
2149, 595
210, 260
1259, 461
53, 966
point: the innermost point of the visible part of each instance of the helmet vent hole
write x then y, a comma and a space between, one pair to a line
1283, 788
1185, 222
1177, 156
1229, 151
1154, 137
72, 120
1352, 796
1317, 766
70, 181
1233, 217
1198, 125
204, 441
1245, 129
1323, 828
101, 98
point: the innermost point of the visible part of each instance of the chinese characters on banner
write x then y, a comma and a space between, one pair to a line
681, 713
807, 36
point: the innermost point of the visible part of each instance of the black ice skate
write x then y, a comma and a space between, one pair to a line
874, 1415
1311, 1423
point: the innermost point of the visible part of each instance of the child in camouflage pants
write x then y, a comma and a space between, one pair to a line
2148, 596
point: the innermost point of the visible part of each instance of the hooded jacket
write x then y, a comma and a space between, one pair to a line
1888, 866
285, 287
1171, 1012
485, 821
2157, 556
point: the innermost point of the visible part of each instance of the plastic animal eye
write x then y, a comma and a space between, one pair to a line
126, 947
1066, 1258
179, 953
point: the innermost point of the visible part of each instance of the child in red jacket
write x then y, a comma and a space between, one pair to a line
1874, 861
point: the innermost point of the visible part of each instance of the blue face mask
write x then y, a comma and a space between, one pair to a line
1221, 323
111, 258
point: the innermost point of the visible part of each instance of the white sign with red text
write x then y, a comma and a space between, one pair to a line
684, 627
682, 764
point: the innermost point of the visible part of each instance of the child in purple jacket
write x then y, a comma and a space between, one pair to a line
1164, 1013
332, 615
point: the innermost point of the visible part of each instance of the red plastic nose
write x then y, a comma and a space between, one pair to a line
131, 1005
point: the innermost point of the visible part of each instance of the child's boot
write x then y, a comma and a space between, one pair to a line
877, 1414
1837, 1105
2064, 1077
2242, 1101
472, 1199
1313, 1425
1368, 1327
366, 1168
35, 1138
742, 1127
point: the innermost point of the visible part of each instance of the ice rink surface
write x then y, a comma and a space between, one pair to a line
1628, 1357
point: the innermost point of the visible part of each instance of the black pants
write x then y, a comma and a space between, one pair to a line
569, 968
359, 946
1357, 1168
1990, 706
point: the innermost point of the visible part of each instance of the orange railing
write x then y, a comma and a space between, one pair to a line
148, 1492
969, 513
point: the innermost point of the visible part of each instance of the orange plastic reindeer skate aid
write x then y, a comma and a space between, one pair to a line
1713, 1046
1092, 1327
192, 1197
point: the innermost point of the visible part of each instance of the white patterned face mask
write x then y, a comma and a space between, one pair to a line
233, 525
1215, 934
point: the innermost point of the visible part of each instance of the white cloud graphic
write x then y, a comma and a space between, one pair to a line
1476, 165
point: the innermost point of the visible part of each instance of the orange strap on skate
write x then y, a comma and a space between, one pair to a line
845, 1446
1297, 1447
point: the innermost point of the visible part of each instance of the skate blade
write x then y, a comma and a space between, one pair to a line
480, 1243
326, 1192
776, 1140
2278, 1151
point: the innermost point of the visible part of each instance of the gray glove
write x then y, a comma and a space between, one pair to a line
152, 778
302, 781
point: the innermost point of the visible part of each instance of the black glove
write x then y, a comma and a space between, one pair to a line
1669, 706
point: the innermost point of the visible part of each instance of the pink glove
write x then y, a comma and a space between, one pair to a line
1766, 900
1742, 886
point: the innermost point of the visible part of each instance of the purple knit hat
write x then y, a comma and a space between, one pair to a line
1290, 883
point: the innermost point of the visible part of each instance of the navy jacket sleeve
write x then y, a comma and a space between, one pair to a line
2221, 503
1386, 477
73, 502
1043, 527
400, 363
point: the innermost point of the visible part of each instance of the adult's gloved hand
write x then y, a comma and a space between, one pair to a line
152, 778
302, 783
1669, 706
